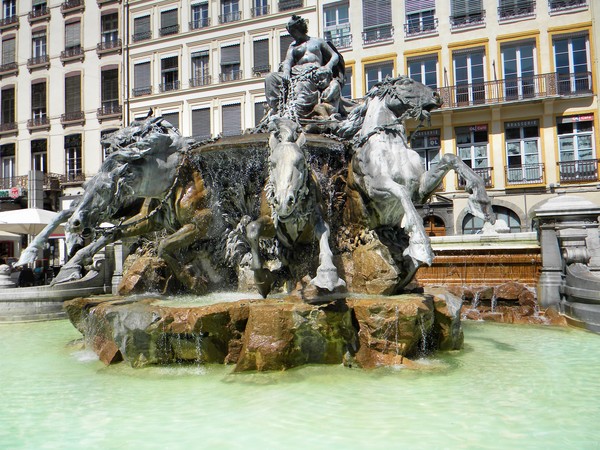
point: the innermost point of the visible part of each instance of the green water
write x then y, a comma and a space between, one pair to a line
511, 387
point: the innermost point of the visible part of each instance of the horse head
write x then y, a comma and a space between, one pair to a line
407, 97
288, 168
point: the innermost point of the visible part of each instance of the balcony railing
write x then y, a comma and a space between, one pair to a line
142, 36
578, 171
38, 61
72, 118
204, 80
73, 178
38, 123
562, 5
109, 110
230, 76
468, 20
525, 174
9, 68
378, 34
167, 31
230, 17
72, 53
170, 86
260, 11
200, 23
16, 181
341, 40
36, 15
424, 26
9, 22
484, 172
71, 6
139, 91
8, 128
261, 70
286, 5
517, 89
524, 8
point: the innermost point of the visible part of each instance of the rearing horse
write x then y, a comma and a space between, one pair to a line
386, 177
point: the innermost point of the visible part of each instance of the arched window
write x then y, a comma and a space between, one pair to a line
473, 225
434, 226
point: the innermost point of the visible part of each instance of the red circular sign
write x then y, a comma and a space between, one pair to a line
15, 192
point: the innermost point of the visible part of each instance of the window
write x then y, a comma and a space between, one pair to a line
230, 63
72, 96
522, 152
261, 56
199, 16
474, 225
519, 70
337, 25
374, 73
172, 118
169, 73
201, 123
110, 28
9, 8
571, 56
427, 144
8, 51
230, 11
347, 87
577, 158
38, 44
424, 70
377, 21
232, 120
469, 76
285, 40
420, 17
7, 108
260, 109
73, 36
466, 12
472, 149
141, 79
38, 7
260, 8
39, 155
509, 9
109, 85
169, 23
200, 69
73, 152
7, 163
141, 28
38, 101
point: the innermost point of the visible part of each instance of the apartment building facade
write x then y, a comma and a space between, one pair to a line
518, 78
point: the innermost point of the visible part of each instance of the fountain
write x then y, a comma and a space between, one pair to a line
315, 210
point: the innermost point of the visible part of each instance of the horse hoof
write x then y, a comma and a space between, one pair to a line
67, 274
328, 279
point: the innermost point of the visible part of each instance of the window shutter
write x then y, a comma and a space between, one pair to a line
73, 94
201, 123
141, 75
38, 2
168, 18
376, 13
259, 112
284, 43
110, 84
419, 5
38, 96
8, 51
232, 120
172, 118
261, 53
466, 7
141, 25
230, 54
171, 62
73, 34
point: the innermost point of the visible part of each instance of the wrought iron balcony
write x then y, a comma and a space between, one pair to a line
139, 91
9, 22
15, 181
484, 172
260, 71
111, 46
378, 34
340, 41
104, 2
200, 23
286, 5
72, 118
10, 68
230, 76
260, 11
169, 86
525, 174
38, 61
563, 5
39, 14
142, 36
73, 178
230, 17
467, 20
167, 31
9, 128
524, 8
38, 123
72, 54
517, 89
109, 110
203, 80
578, 171
419, 27
71, 6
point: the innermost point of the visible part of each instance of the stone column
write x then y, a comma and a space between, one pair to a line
117, 275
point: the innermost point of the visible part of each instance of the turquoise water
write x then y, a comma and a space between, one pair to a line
511, 387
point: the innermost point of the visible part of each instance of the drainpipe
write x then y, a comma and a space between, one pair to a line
125, 65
